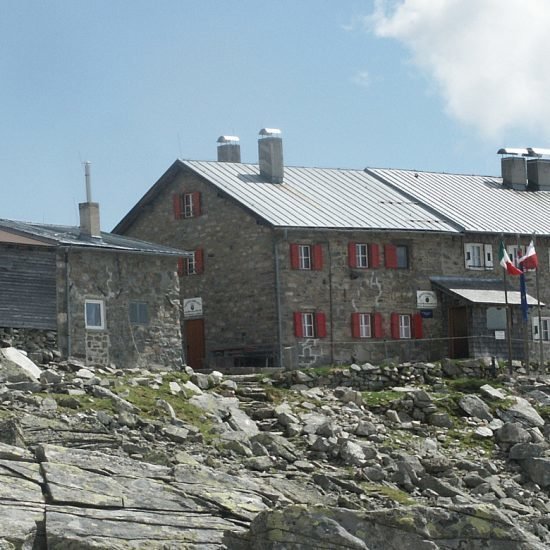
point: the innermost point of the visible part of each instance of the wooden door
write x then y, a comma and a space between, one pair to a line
458, 331
194, 343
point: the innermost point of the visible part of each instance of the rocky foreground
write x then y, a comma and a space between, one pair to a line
105, 459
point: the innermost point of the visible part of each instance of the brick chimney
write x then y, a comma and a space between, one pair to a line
270, 155
89, 211
229, 149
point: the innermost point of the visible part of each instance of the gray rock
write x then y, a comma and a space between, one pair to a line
512, 432
538, 469
492, 393
365, 428
174, 433
521, 451
523, 412
473, 406
15, 366
351, 453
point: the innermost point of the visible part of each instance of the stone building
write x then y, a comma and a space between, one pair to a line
300, 266
87, 294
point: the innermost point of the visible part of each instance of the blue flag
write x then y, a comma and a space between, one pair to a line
523, 293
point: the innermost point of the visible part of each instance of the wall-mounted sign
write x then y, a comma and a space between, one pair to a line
500, 335
426, 299
192, 307
427, 313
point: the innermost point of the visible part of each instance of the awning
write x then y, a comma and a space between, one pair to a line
481, 291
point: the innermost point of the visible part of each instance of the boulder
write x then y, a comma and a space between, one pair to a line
15, 367
473, 406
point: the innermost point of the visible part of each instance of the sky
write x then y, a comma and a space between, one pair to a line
132, 85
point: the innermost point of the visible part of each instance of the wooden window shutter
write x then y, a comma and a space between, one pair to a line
176, 203
317, 257
352, 254
378, 326
199, 260
390, 255
374, 255
355, 328
395, 326
320, 325
181, 266
196, 197
417, 326
294, 256
298, 326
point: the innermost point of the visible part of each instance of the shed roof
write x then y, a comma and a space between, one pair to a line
479, 204
65, 235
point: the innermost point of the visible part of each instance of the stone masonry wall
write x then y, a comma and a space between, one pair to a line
118, 279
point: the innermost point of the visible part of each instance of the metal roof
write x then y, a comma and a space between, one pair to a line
320, 198
479, 204
64, 235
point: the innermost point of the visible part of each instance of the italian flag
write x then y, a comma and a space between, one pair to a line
505, 261
530, 259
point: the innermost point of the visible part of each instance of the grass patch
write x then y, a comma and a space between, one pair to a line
380, 398
385, 491
468, 385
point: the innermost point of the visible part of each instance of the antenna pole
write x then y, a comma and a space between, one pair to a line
88, 184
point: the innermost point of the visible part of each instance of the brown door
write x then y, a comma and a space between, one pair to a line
458, 331
194, 343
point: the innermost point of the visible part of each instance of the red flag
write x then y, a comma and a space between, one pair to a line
529, 259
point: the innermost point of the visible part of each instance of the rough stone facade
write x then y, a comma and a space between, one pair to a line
117, 279
250, 292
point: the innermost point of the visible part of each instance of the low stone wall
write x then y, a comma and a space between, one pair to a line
41, 345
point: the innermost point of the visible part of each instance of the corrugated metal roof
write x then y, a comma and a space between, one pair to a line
320, 198
479, 204
65, 235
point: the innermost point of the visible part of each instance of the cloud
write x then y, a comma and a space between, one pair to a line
361, 78
487, 57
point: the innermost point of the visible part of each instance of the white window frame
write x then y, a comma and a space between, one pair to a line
191, 264
304, 256
362, 255
405, 327
101, 304
473, 251
308, 325
188, 206
545, 322
514, 253
365, 325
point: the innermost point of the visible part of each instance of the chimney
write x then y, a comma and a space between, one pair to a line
89, 211
514, 173
538, 174
270, 154
229, 149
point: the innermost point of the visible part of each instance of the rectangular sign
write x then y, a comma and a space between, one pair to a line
192, 307
426, 299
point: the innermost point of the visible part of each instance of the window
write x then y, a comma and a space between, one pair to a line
362, 256
406, 326
366, 325
94, 313
396, 256
478, 256
187, 205
310, 325
545, 326
193, 264
139, 313
514, 253
306, 256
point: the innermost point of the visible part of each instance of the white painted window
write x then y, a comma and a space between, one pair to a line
308, 327
545, 326
188, 206
514, 253
94, 314
365, 328
362, 255
192, 264
304, 256
478, 256
404, 326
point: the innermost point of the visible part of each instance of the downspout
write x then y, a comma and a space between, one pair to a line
330, 303
68, 302
278, 303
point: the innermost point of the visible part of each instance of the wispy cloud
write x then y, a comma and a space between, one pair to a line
361, 78
488, 58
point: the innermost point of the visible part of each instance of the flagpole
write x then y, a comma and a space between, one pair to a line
541, 349
508, 325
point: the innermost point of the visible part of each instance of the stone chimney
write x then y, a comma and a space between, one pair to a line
514, 173
270, 155
538, 174
89, 211
229, 149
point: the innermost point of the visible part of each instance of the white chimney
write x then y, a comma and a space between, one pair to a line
89, 211
229, 149
270, 155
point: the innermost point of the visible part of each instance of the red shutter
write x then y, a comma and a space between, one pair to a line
395, 326
417, 326
176, 203
298, 326
320, 325
199, 260
374, 255
352, 254
294, 257
390, 254
378, 327
317, 253
196, 198
181, 266
355, 329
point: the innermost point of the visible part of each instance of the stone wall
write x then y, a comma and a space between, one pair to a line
118, 279
41, 345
